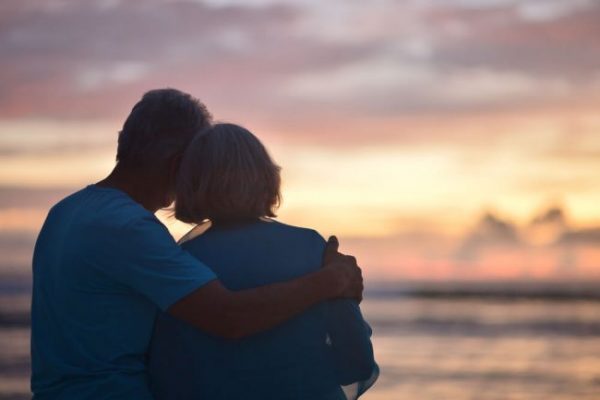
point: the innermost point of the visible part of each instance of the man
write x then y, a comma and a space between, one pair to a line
103, 265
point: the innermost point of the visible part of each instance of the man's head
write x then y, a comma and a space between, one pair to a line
159, 127
155, 135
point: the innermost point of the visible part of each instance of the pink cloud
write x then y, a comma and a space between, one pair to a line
89, 60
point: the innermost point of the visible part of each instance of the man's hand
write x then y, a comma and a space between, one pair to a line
347, 278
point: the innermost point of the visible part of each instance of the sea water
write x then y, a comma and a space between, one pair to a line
428, 348
482, 349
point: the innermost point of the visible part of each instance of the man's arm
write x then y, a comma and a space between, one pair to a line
236, 314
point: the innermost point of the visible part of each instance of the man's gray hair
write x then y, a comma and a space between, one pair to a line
160, 126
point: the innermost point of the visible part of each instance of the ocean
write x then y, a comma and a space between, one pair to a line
430, 344
486, 349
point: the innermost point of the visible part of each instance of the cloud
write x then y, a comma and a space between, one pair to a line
117, 73
578, 141
14, 197
22, 219
590, 236
46, 138
494, 247
462, 57
16, 249
546, 228
553, 216
398, 87
93, 59
87, 60
542, 38
490, 232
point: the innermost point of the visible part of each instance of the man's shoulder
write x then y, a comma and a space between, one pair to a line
95, 207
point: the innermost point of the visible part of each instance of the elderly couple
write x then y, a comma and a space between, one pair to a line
245, 307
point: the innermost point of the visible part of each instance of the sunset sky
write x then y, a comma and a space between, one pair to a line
454, 139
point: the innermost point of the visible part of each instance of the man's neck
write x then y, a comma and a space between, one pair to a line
136, 184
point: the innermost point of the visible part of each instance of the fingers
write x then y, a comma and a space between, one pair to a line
333, 240
350, 260
360, 287
331, 250
355, 280
359, 295
347, 267
355, 290
360, 283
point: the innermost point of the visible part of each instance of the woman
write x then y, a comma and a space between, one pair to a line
229, 185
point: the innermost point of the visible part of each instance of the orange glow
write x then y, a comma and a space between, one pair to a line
396, 140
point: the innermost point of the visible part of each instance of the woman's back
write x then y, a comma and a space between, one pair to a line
292, 361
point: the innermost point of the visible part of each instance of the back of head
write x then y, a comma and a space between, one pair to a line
159, 127
227, 174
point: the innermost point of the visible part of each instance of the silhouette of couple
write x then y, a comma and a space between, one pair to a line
244, 307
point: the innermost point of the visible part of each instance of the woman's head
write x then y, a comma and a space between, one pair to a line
227, 174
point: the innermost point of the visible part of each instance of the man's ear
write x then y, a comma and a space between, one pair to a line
173, 170
174, 164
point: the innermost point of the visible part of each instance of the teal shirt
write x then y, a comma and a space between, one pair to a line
103, 267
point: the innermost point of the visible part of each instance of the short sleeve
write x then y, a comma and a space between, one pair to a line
143, 256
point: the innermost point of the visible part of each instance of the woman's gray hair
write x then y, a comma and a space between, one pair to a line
227, 174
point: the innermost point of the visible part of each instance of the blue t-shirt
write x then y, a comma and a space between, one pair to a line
308, 357
103, 266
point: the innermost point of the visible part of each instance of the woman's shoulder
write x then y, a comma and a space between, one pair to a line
308, 233
262, 227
